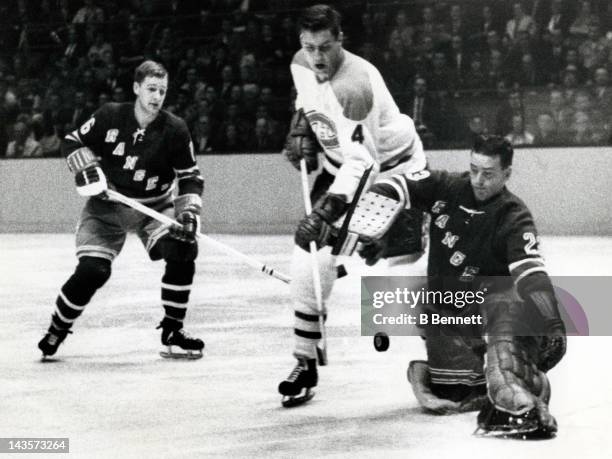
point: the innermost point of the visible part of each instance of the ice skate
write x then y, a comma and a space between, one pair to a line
527, 426
51, 341
297, 388
179, 344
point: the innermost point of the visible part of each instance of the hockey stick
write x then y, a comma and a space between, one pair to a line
316, 275
116, 196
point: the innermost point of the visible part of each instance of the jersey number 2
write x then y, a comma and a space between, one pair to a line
531, 243
357, 135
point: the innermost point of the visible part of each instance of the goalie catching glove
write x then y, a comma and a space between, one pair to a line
89, 177
302, 143
317, 226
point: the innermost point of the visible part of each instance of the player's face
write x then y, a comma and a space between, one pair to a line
323, 52
487, 176
150, 94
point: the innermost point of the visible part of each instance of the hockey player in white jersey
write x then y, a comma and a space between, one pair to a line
344, 111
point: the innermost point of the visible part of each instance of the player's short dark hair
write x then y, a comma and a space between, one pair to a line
494, 145
320, 17
149, 69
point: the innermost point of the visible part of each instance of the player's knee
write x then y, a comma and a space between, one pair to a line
94, 271
175, 251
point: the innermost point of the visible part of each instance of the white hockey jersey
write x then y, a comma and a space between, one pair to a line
356, 122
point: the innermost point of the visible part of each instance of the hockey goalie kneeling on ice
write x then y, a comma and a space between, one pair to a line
483, 238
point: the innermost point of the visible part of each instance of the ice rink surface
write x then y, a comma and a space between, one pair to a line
113, 396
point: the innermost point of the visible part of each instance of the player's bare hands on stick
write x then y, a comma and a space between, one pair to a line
317, 225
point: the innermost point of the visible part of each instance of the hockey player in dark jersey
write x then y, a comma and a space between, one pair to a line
145, 153
483, 237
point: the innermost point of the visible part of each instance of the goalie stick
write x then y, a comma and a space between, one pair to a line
118, 197
344, 229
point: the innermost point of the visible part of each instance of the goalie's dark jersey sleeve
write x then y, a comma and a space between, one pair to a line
468, 238
140, 163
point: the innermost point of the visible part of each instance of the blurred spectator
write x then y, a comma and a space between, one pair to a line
559, 111
202, 135
519, 135
403, 29
520, 22
495, 70
421, 108
553, 56
229, 141
602, 92
476, 127
503, 118
396, 66
593, 50
441, 76
262, 141
475, 78
428, 23
527, 74
569, 83
88, 13
458, 60
546, 133
582, 131
457, 24
584, 19
559, 19
23, 145
78, 112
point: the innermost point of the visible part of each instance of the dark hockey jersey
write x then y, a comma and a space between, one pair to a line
471, 239
140, 163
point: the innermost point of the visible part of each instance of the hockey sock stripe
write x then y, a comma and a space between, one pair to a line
176, 288
68, 303
307, 334
174, 304
175, 313
64, 319
175, 297
57, 324
307, 317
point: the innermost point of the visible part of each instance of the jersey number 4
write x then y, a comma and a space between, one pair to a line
357, 135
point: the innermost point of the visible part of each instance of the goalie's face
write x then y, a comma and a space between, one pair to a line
323, 52
151, 93
487, 175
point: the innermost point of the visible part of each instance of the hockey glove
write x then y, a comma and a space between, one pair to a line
372, 250
302, 143
89, 177
188, 230
553, 342
91, 181
317, 226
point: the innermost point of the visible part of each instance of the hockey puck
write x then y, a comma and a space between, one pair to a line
381, 341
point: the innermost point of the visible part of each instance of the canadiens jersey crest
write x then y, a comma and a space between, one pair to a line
324, 128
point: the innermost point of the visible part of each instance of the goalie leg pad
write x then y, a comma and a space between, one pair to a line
307, 329
516, 387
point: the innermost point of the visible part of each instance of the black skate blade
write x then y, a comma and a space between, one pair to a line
527, 433
49, 359
170, 353
290, 401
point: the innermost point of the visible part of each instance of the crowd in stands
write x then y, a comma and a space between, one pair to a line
536, 71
